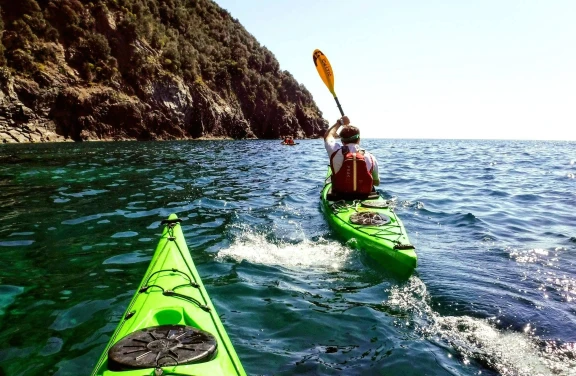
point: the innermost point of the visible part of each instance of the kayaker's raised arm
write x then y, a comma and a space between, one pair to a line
332, 132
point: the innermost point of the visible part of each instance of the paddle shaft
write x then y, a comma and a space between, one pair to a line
339, 107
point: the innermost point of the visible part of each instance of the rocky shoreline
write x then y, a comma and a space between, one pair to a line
62, 108
18, 122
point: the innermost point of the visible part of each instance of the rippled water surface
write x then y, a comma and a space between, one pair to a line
493, 222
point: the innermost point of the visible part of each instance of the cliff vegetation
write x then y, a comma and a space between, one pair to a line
144, 70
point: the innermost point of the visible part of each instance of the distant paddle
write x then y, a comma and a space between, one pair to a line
325, 71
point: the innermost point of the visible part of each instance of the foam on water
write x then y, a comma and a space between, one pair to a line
254, 247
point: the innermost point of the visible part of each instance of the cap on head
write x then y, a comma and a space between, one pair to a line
349, 134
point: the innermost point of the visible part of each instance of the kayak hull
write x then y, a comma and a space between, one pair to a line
171, 295
372, 226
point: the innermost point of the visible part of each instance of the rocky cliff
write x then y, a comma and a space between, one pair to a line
141, 70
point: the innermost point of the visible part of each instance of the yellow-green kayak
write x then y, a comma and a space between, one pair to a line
373, 225
170, 326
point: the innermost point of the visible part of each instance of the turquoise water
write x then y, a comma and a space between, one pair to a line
493, 222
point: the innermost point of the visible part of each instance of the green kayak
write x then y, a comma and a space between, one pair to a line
373, 225
170, 326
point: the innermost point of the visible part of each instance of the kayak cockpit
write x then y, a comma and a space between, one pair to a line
336, 196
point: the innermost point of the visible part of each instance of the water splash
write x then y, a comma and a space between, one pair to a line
307, 254
509, 353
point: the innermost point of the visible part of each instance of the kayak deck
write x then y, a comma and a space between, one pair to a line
170, 327
372, 226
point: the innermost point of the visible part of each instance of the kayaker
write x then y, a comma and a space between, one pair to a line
354, 170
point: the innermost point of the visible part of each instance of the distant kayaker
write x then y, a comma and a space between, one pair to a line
354, 170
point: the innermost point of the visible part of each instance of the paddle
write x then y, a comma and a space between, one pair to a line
325, 71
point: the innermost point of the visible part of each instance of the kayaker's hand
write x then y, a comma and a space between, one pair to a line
344, 120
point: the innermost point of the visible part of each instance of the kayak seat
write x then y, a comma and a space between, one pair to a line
337, 196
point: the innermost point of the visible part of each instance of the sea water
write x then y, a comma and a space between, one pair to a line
493, 223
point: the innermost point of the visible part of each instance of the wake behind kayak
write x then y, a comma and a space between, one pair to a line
170, 326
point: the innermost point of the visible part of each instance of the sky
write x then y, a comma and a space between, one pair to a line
439, 69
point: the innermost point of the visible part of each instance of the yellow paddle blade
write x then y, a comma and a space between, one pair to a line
324, 69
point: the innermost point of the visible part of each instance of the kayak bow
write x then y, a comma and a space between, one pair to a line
170, 326
374, 226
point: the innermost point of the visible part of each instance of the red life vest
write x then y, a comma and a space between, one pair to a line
354, 175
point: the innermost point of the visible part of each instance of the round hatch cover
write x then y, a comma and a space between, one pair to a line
159, 346
375, 204
369, 218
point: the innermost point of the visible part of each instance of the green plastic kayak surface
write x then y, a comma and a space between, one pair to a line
373, 227
170, 326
